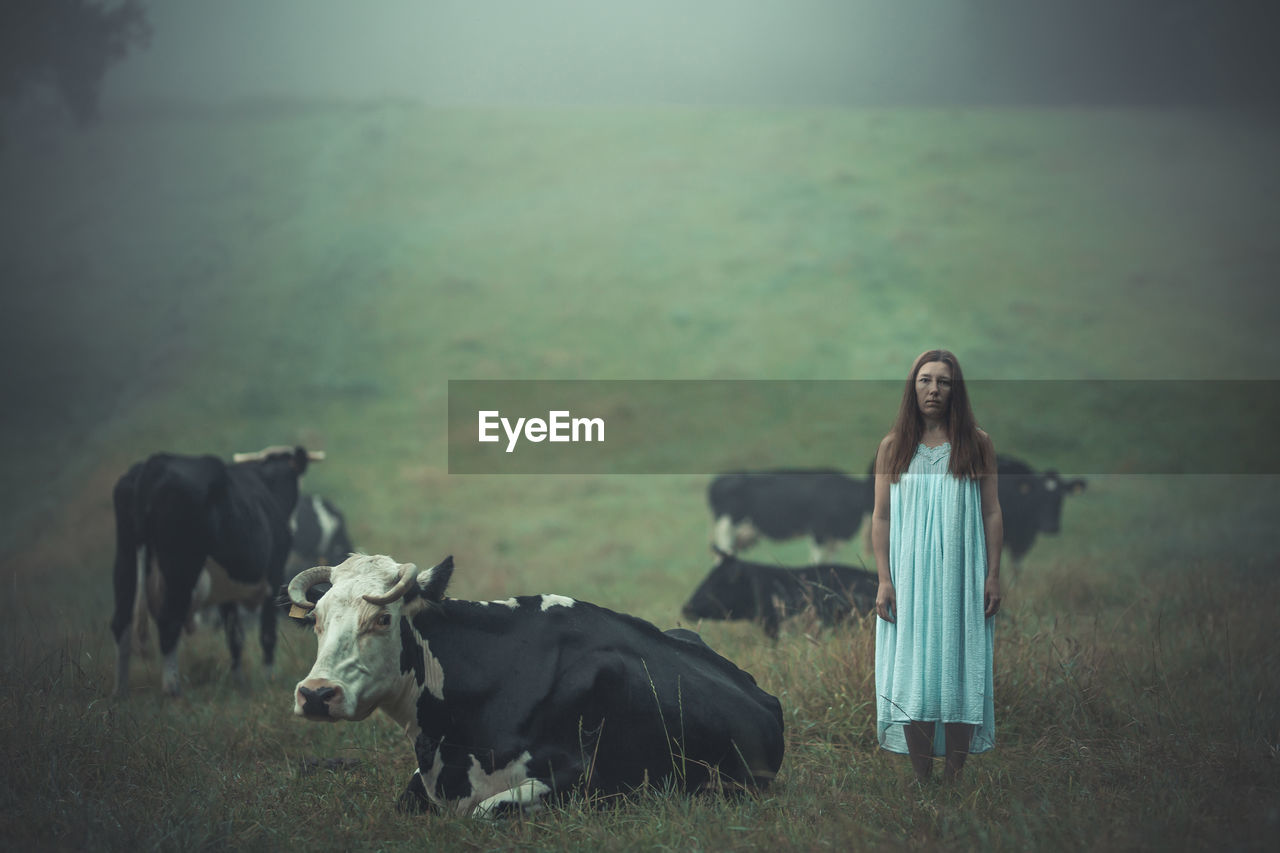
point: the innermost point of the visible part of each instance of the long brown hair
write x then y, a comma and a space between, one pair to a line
969, 454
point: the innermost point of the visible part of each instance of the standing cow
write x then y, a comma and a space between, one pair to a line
193, 530
1030, 503
824, 504
320, 538
737, 589
509, 702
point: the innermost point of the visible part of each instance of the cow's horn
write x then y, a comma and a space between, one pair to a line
408, 575
304, 581
274, 449
260, 454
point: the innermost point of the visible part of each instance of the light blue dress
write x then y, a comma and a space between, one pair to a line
934, 662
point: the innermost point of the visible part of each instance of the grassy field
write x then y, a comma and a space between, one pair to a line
212, 281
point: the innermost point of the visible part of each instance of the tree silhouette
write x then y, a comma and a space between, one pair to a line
66, 44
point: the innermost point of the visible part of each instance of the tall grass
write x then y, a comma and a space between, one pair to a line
1152, 732
208, 282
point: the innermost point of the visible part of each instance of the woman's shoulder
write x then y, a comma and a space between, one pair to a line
987, 448
883, 453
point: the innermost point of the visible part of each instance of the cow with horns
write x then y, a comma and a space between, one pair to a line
194, 531
511, 702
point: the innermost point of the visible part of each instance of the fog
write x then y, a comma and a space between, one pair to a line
552, 51
120, 238
700, 52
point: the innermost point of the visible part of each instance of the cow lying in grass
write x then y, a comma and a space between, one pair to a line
737, 589
510, 702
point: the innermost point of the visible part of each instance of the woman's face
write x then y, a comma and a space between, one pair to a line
933, 389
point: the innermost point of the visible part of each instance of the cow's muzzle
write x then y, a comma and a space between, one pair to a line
314, 702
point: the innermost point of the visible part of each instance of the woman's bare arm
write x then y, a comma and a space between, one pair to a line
886, 597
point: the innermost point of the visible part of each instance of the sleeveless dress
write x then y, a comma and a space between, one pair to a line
935, 662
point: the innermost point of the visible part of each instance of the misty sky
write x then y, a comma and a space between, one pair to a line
547, 51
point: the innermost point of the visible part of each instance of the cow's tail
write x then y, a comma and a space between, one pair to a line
152, 471
141, 613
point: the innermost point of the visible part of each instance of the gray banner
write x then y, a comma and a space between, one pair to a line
710, 426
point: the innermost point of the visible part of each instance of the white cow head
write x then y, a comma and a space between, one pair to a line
367, 656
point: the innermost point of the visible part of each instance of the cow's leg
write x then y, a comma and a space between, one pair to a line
267, 637
230, 611
273, 582
525, 797
414, 800
1015, 565
124, 644
124, 575
180, 577
128, 612
141, 604
201, 612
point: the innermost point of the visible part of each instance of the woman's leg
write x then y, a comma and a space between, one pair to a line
959, 736
920, 747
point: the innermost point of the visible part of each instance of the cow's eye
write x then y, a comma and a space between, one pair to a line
384, 620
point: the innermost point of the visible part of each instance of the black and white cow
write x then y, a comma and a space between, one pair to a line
737, 589
1030, 503
510, 702
824, 504
320, 536
193, 531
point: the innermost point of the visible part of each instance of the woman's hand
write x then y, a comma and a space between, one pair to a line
886, 601
991, 596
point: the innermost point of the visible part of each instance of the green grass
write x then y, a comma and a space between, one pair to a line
209, 282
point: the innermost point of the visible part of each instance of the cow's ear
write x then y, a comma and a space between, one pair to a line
432, 582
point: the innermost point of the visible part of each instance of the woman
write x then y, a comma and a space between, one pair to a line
937, 534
